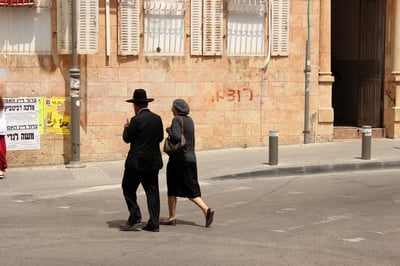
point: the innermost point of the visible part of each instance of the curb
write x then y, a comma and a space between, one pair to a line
312, 169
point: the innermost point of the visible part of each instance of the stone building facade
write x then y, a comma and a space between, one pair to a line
237, 95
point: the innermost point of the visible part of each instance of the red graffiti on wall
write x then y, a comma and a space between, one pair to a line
232, 95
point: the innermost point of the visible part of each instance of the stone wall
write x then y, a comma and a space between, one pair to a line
233, 102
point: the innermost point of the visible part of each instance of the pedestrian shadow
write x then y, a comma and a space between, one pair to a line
115, 223
183, 222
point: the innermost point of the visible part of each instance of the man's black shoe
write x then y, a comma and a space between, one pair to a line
130, 227
150, 228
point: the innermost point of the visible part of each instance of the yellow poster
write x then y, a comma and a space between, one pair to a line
55, 118
41, 102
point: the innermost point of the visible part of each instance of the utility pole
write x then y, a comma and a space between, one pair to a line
74, 94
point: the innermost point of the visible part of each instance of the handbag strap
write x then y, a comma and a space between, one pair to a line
182, 128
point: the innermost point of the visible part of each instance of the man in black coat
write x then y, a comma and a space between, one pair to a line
144, 132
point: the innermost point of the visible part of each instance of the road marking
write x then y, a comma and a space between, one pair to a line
235, 204
334, 219
81, 191
354, 240
295, 192
296, 227
278, 231
284, 210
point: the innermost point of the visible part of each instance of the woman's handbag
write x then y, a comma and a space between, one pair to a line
170, 147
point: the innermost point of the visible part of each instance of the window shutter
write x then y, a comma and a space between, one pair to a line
196, 27
87, 26
213, 27
280, 28
64, 21
129, 27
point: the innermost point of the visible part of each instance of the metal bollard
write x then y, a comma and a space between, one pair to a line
273, 147
366, 143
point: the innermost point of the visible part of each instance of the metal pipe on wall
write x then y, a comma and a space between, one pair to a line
264, 69
108, 48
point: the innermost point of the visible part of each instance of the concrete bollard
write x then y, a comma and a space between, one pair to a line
273, 147
366, 143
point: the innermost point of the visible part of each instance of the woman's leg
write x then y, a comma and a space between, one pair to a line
172, 200
199, 202
208, 213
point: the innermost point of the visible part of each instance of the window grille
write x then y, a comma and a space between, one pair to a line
164, 27
17, 2
246, 27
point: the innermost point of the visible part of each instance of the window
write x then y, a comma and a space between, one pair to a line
164, 27
129, 27
280, 28
25, 30
246, 27
206, 27
87, 23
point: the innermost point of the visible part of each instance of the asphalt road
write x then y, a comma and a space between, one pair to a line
333, 219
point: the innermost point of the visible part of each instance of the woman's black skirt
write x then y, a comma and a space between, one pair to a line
182, 179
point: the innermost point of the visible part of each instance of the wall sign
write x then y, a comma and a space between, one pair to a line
22, 120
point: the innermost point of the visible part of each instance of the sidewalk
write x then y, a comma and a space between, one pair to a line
213, 164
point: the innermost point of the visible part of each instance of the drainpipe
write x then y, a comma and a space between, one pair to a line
74, 94
307, 82
265, 66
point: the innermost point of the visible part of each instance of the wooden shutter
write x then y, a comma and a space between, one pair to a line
196, 16
280, 28
87, 23
129, 27
88, 26
213, 27
64, 25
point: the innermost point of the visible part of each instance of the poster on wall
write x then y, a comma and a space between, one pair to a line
55, 118
22, 120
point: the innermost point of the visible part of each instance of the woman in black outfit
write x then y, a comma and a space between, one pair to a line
182, 178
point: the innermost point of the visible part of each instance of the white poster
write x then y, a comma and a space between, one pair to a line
22, 119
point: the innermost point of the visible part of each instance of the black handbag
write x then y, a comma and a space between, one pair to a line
170, 147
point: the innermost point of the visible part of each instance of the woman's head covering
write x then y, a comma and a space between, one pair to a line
181, 106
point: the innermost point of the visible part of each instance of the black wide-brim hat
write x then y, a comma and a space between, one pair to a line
139, 96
